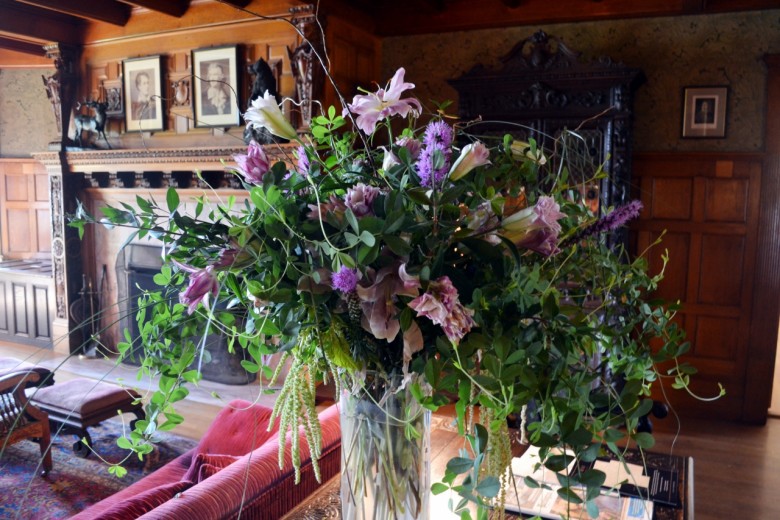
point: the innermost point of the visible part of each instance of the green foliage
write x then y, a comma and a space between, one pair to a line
574, 332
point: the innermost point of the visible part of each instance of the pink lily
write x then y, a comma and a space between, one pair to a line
370, 108
378, 300
202, 283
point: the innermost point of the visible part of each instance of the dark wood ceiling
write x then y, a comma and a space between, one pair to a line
27, 24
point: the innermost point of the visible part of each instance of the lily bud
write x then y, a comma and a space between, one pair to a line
472, 155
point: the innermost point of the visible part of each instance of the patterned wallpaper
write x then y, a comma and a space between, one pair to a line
673, 52
27, 116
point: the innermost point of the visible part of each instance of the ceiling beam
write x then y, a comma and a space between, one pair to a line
31, 24
107, 11
237, 3
25, 47
175, 8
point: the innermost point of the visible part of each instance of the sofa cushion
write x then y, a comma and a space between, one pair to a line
205, 465
135, 506
239, 428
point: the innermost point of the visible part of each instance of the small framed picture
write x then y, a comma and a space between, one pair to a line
704, 112
215, 82
143, 94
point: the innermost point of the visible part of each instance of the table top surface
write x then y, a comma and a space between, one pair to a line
325, 503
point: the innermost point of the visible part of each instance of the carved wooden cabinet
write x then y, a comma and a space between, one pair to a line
543, 88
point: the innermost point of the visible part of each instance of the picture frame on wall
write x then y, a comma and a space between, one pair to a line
143, 94
704, 112
215, 86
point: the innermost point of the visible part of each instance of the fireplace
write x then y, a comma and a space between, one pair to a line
136, 265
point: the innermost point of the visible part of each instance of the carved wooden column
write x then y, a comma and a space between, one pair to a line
61, 87
305, 64
63, 191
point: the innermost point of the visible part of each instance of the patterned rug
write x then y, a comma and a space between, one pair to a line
74, 483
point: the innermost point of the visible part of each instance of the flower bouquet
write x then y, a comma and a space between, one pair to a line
415, 264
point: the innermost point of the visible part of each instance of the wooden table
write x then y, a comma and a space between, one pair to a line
325, 503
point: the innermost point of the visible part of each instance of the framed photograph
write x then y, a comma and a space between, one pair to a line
704, 112
215, 82
143, 94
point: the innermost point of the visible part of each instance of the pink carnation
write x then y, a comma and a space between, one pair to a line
442, 306
360, 199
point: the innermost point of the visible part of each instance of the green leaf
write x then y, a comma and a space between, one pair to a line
592, 508
613, 435
352, 220
438, 488
419, 196
488, 487
459, 465
143, 204
644, 440
593, 478
172, 198
397, 245
117, 471
569, 495
252, 368
367, 238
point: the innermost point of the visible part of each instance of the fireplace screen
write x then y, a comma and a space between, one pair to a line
136, 266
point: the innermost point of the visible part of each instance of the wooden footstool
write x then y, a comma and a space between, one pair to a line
77, 404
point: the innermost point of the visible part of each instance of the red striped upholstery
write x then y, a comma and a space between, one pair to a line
253, 485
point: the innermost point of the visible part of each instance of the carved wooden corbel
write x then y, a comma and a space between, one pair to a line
61, 86
304, 62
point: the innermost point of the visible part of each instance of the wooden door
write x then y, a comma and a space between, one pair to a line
709, 207
25, 222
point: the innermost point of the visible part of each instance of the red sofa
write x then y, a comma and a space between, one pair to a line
233, 469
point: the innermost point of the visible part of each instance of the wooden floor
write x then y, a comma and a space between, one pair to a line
736, 467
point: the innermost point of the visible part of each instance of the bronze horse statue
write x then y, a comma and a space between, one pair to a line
94, 124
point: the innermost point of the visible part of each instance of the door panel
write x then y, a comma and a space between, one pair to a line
708, 205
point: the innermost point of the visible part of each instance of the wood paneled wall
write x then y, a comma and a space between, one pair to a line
354, 59
25, 224
707, 207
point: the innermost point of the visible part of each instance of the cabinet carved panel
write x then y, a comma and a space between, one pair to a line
543, 88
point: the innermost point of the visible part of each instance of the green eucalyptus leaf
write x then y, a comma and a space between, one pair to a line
172, 199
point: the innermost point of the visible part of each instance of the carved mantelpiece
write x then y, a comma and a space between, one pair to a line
160, 159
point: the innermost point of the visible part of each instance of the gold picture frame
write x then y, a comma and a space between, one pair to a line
142, 83
215, 87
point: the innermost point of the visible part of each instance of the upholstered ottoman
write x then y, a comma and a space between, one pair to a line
77, 404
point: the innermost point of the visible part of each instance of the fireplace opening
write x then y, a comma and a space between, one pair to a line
136, 266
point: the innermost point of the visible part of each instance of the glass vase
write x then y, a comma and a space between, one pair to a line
385, 452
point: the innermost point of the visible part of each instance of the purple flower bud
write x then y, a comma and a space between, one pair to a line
413, 145
303, 161
202, 283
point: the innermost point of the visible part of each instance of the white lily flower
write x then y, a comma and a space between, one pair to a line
265, 113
